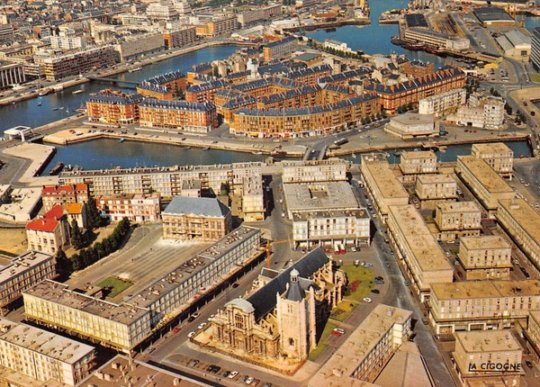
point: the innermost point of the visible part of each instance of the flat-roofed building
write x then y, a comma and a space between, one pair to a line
488, 356
53, 304
532, 333
360, 359
42, 355
309, 197
413, 164
442, 104
482, 112
121, 368
522, 223
382, 184
458, 219
484, 182
331, 228
482, 305
498, 156
167, 181
20, 273
417, 249
434, 189
252, 200
201, 219
137, 208
295, 171
412, 125
485, 257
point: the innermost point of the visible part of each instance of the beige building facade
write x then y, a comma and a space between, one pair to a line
522, 223
437, 188
314, 170
383, 186
201, 219
482, 305
136, 208
413, 164
485, 257
458, 219
42, 355
491, 356
417, 250
498, 156
21, 273
484, 182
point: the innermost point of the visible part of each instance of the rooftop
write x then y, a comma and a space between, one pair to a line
437, 178
22, 263
492, 148
485, 289
485, 174
385, 179
360, 344
525, 216
358, 213
410, 118
319, 196
181, 205
43, 342
458, 207
484, 242
418, 155
487, 341
490, 14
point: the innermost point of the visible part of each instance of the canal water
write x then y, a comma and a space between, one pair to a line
53, 107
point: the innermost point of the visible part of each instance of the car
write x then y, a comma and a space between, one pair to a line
529, 363
194, 362
379, 278
190, 335
213, 368
191, 319
407, 283
235, 285
379, 282
176, 330
366, 299
201, 325
375, 291
232, 374
338, 332
412, 336
195, 315
267, 384
248, 380
226, 374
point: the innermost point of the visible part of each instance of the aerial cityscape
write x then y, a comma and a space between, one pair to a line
272, 194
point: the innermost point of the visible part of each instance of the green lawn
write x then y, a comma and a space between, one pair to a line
115, 285
535, 77
322, 341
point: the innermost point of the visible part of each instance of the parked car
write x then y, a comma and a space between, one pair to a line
232, 374
193, 362
375, 291
366, 299
201, 325
338, 332
190, 335
248, 380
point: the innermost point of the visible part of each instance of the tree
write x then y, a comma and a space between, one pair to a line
93, 219
62, 261
76, 236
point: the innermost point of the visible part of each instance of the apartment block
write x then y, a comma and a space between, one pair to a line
314, 170
434, 189
119, 326
532, 333
331, 228
413, 164
167, 181
458, 219
482, 112
42, 355
485, 257
482, 305
61, 66
498, 156
252, 200
219, 25
488, 357
52, 195
201, 219
522, 223
360, 359
382, 184
442, 104
422, 257
484, 182
48, 233
180, 38
251, 16
113, 107
137, 208
191, 117
124, 326
279, 48
21, 272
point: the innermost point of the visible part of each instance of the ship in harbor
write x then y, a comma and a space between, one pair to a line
57, 169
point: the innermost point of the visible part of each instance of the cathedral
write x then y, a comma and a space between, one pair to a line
279, 323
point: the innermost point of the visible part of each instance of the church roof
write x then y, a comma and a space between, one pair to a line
264, 299
242, 304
